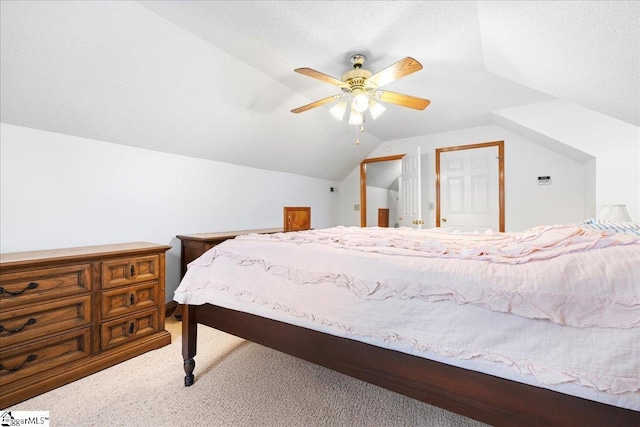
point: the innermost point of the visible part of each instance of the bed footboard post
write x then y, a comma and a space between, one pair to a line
189, 339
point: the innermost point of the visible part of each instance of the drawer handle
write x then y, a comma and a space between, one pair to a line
31, 321
132, 299
31, 285
133, 270
131, 328
30, 358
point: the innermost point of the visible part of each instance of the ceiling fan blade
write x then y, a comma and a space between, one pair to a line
321, 76
400, 69
316, 104
401, 99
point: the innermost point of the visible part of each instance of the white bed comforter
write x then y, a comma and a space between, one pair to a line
555, 306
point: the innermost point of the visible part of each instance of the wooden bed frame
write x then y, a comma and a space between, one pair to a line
473, 394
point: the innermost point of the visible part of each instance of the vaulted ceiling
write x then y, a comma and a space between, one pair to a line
215, 79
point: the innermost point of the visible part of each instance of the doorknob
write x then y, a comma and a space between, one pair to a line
444, 219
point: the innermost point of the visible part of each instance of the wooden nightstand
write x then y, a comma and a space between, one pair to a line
194, 245
297, 218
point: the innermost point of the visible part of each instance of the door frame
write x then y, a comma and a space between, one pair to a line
363, 183
500, 145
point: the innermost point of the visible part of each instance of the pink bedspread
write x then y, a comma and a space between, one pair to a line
457, 298
562, 273
537, 243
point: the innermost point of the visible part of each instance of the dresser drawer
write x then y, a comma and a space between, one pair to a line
122, 330
120, 301
33, 322
26, 287
20, 362
126, 271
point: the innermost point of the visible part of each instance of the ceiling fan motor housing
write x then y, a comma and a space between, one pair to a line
357, 60
355, 79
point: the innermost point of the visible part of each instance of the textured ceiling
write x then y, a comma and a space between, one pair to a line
215, 79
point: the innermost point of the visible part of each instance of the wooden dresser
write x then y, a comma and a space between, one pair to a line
67, 313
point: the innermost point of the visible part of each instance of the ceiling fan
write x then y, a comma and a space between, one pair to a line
361, 89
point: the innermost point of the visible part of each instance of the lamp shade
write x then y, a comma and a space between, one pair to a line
604, 212
614, 213
376, 109
618, 213
338, 110
355, 118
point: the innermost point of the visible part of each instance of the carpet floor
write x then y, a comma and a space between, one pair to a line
238, 383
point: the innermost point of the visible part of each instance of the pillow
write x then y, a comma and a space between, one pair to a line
626, 227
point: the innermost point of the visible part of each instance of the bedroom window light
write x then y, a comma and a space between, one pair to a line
614, 213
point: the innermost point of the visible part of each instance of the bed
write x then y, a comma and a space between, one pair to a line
539, 327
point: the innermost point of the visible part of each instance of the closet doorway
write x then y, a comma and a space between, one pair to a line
363, 183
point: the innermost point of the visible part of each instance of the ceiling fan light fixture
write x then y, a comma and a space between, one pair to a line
360, 90
338, 110
376, 109
355, 118
360, 102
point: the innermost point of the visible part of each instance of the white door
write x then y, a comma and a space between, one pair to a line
409, 192
469, 189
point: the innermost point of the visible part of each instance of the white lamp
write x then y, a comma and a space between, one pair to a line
604, 212
616, 213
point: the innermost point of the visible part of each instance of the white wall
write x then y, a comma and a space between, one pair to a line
393, 200
381, 198
350, 197
376, 198
61, 191
614, 144
527, 203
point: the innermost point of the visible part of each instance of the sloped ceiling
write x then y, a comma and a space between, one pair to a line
215, 79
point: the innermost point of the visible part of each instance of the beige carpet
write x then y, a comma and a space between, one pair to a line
237, 384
